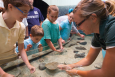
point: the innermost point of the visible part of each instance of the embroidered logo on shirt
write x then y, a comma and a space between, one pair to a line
35, 12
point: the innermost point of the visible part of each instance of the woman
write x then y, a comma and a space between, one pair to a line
91, 16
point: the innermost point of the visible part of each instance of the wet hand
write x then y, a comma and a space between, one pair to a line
7, 75
82, 36
28, 47
64, 67
40, 47
72, 72
59, 50
32, 69
63, 41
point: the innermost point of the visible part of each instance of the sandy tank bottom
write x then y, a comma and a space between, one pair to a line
75, 50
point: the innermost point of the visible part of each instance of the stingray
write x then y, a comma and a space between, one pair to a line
83, 43
79, 55
75, 51
80, 38
80, 48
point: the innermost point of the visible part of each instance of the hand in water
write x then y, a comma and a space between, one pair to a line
7, 75
64, 67
63, 41
32, 69
28, 47
72, 72
82, 36
59, 50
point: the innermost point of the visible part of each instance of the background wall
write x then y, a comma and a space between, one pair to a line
63, 2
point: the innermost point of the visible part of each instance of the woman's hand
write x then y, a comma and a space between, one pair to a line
64, 67
72, 72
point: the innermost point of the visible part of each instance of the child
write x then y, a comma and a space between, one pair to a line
66, 27
51, 29
11, 31
33, 43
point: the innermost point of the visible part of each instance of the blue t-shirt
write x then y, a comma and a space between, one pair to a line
66, 29
33, 49
34, 18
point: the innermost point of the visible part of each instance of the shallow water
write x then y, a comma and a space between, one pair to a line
19, 69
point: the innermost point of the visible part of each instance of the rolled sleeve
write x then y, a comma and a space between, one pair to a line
95, 43
110, 36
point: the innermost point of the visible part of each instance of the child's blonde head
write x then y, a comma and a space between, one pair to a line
52, 8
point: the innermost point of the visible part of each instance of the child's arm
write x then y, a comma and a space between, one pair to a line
60, 28
24, 57
51, 45
60, 43
40, 47
4, 74
27, 35
28, 47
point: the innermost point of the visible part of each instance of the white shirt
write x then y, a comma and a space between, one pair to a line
24, 21
1, 4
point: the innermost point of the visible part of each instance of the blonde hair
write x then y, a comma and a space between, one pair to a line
111, 7
52, 8
87, 7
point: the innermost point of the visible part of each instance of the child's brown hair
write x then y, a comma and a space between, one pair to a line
37, 31
52, 7
17, 3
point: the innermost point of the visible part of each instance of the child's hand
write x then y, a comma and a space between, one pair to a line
63, 41
28, 47
32, 69
82, 36
40, 48
59, 50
